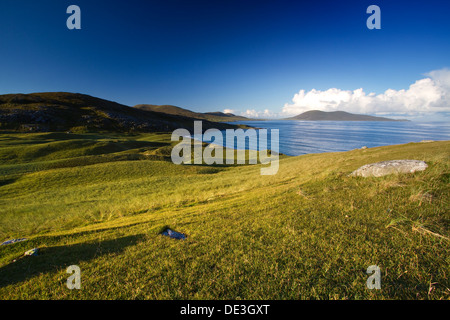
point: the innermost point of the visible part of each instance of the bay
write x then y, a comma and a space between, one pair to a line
303, 137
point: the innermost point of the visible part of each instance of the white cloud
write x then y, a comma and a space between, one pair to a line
252, 113
425, 96
266, 114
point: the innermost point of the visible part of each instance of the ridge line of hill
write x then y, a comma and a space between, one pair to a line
75, 112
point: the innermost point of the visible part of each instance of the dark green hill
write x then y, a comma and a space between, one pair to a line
210, 116
316, 115
61, 111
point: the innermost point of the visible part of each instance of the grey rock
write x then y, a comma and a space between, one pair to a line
173, 234
32, 252
383, 168
13, 241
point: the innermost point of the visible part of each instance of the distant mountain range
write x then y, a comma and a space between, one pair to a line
210, 116
62, 111
316, 115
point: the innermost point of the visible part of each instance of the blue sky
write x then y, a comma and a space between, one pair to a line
232, 55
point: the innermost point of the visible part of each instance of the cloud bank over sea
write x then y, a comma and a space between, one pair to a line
427, 96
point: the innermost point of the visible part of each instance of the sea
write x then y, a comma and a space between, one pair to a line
303, 137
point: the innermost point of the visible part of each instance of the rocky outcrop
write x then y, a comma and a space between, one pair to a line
380, 169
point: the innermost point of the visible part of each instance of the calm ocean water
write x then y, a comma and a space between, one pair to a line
302, 137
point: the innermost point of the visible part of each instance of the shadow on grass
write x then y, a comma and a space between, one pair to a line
55, 258
4, 182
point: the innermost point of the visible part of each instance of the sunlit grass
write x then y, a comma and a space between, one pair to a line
308, 232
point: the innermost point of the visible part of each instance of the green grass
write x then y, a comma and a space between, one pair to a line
309, 232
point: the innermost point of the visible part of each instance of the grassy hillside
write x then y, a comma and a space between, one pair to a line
308, 232
210, 116
78, 113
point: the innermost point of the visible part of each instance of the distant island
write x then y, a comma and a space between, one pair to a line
316, 115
